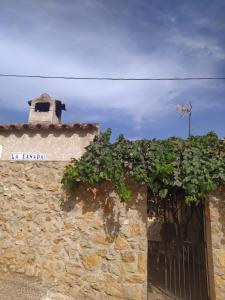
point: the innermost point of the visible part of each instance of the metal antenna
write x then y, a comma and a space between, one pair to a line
186, 109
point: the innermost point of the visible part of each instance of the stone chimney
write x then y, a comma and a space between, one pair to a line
45, 110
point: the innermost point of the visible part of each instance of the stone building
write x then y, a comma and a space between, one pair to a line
44, 137
82, 244
73, 245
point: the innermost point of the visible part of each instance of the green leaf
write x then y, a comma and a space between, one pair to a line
163, 193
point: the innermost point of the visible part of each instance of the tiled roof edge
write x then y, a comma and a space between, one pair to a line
43, 126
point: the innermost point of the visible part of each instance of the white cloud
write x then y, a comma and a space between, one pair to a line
203, 45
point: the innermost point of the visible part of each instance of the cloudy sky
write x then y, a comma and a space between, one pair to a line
117, 38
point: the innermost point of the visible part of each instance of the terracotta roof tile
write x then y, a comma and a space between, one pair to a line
42, 126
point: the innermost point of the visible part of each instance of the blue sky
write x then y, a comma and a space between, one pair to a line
144, 38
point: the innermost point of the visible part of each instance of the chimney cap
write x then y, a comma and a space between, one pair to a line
46, 98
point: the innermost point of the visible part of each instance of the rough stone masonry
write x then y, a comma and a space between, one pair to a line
215, 230
85, 244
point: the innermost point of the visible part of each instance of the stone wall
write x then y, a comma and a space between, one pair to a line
215, 236
84, 244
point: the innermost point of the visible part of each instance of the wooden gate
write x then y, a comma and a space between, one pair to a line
177, 263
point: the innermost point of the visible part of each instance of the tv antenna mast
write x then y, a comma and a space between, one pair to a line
186, 109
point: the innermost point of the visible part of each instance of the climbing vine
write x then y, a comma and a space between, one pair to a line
191, 168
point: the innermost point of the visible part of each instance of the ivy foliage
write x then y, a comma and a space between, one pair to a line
191, 168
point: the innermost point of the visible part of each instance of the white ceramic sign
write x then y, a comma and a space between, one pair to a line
26, 156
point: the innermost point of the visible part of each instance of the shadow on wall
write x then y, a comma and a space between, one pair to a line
103, 199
